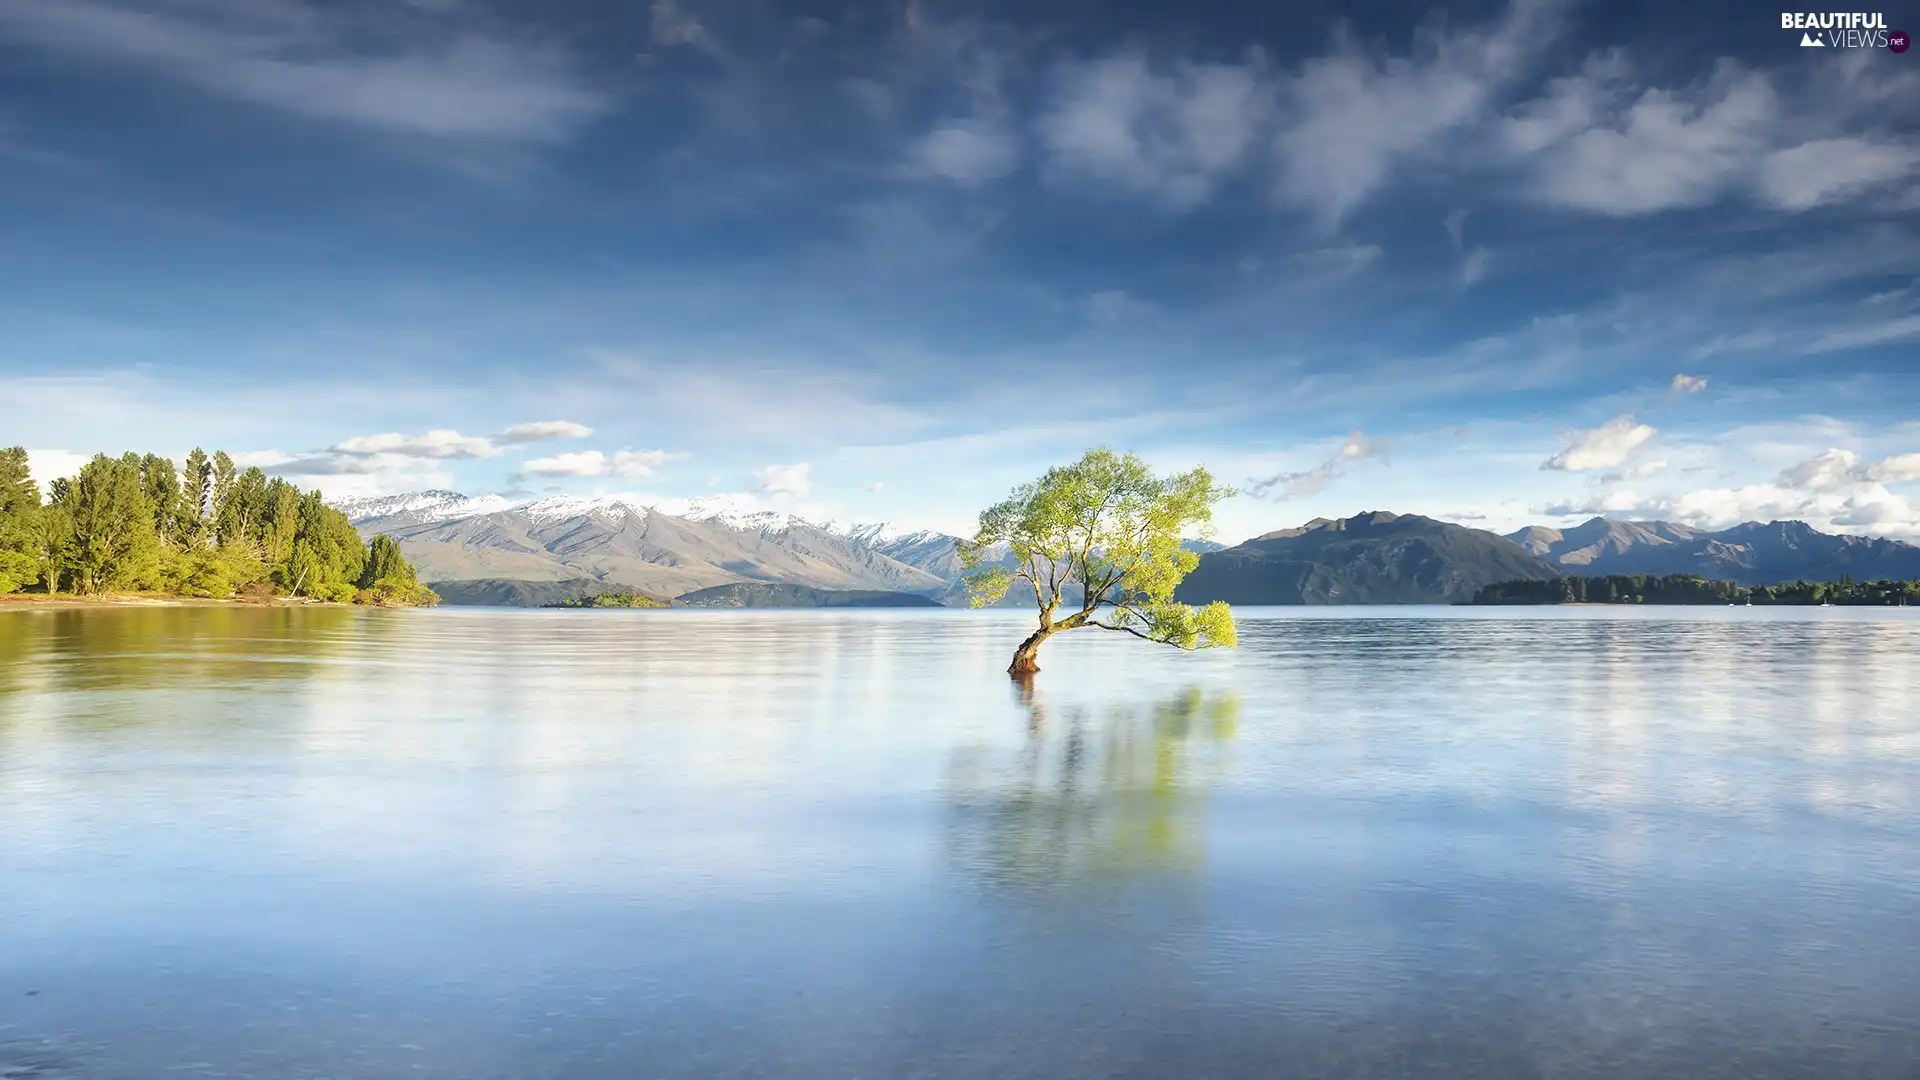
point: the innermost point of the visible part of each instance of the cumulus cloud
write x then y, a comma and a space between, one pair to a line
469, 83
545, 429
1603, 447
629, 463
1289, 485
1686, 384
1171, 132
794, 480
440, 443
1707, 507
1836, 469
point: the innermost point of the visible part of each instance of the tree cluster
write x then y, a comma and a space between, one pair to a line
1689, 589
137, 523
618, 598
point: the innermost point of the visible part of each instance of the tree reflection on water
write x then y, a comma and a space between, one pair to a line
1094, 793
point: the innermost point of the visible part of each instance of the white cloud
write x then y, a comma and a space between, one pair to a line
1826, 170
671, 26
1604, 447
1895, 470
1586, 146
1351, 117
306, 59
1878, 333
1668, 150
1291, 485
967, 152
1638, 472
630, 463
1686, 384
1474, 266
794, 480
441, 443
878, 485
1837, 469
337, 475
46, 466
582, 463
1172, 134
545, 429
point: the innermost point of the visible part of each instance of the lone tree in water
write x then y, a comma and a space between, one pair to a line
1108, 528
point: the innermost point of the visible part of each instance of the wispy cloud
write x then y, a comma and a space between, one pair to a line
1171, 132
1291, 485
419, 77
433, 443
1601, 448
1354, 116
792, 480
629, 463
544, 429
1875, 333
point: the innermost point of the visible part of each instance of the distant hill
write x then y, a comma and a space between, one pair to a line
1372, 558
507, 592
769, 595
1751, 553
615, 542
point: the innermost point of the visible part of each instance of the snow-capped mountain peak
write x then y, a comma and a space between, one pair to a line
419, 506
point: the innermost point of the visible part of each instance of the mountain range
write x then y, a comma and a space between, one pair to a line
490, 550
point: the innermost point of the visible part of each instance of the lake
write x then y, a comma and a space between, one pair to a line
476, 844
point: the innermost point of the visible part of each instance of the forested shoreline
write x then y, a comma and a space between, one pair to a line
1688, 589
136, 523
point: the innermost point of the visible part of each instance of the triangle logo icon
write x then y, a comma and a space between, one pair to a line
1809, 41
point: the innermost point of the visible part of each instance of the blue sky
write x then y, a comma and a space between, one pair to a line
1502, 263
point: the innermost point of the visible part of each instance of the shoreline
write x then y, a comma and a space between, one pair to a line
32, 601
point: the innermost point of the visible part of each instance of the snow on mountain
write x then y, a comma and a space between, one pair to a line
419, 506
742, 512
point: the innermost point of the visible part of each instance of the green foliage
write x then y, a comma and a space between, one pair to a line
135, 522
113, 543
385, 563
619, 598
19, 521
1108, 526
1689, 589
397, 592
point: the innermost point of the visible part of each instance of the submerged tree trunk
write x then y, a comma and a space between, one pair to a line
1026, 659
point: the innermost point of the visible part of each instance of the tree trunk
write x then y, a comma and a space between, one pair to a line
1026, 659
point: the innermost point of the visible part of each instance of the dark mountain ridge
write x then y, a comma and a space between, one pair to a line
1751, 553
1373, 558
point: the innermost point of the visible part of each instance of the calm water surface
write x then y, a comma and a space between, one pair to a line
473, 844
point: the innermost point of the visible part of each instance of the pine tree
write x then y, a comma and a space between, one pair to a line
113, 541
19, 520
220, 509
385, 563
161, 484
196, 492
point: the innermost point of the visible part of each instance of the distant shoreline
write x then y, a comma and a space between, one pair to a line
135, 600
